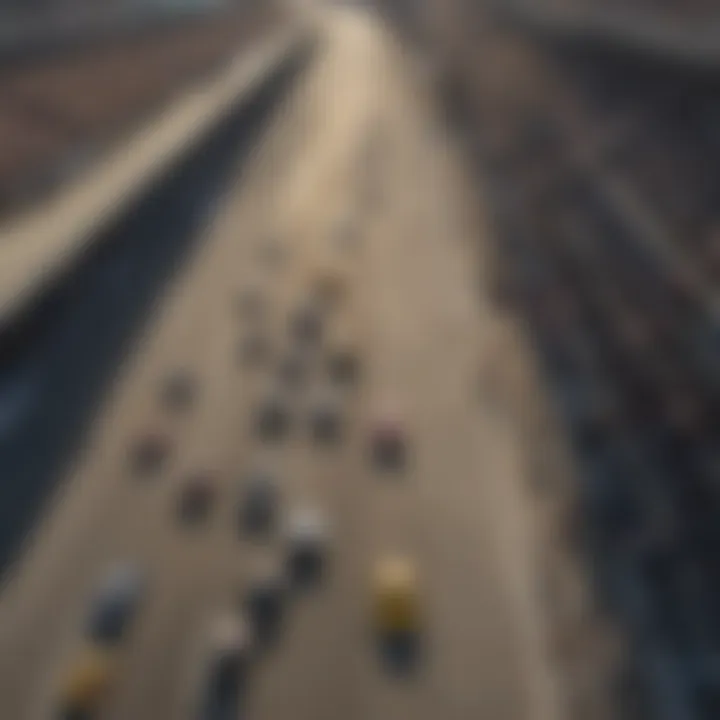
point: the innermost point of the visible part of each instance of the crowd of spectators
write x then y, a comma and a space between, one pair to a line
613, 252
664, 9
59, 107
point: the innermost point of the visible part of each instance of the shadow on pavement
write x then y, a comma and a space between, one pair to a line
57, 360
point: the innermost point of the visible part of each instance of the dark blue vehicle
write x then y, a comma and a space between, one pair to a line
226, 672
115, 605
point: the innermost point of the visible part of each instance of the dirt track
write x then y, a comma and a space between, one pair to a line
414, 309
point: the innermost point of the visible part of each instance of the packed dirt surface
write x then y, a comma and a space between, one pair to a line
355, 175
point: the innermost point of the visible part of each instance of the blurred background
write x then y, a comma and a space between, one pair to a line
527, 189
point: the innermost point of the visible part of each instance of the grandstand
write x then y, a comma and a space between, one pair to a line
68, 90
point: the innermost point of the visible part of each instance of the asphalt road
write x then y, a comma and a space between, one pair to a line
354, 150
